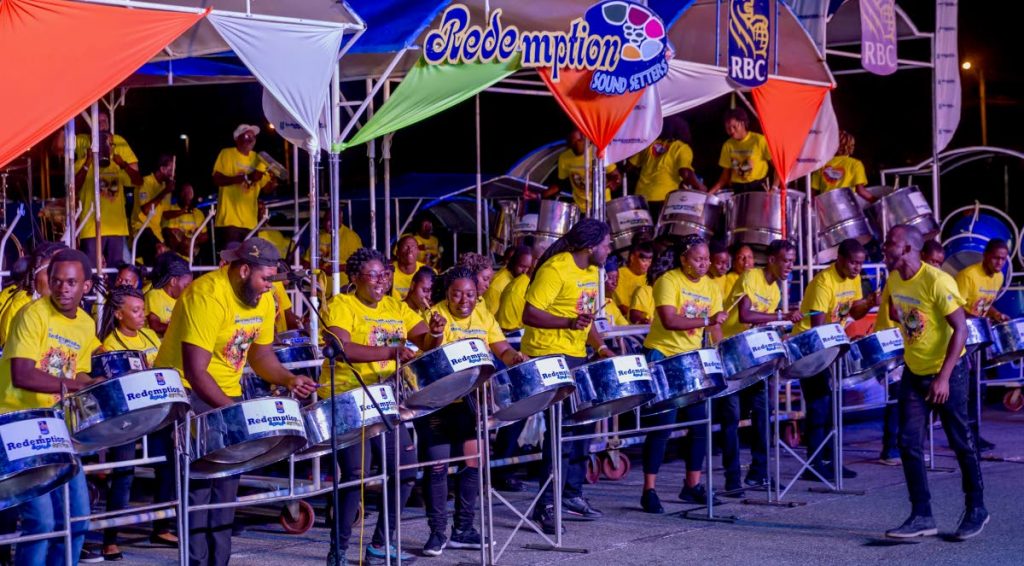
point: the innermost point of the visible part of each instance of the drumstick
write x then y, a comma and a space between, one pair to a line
174, 164
732, 306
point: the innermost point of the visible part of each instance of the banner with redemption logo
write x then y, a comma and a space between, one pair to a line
749, 40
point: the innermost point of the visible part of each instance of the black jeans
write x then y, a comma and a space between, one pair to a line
891, 423
209, 531
574, 455
729, 410
816, 392
440, 436
973, 412
914, 429
120, 485
112, 252
694, 443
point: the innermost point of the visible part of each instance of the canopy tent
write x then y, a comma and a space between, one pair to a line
190, 71
844, 26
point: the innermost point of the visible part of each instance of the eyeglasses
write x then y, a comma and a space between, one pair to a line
374, 276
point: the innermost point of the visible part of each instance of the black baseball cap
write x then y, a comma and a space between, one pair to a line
256, 251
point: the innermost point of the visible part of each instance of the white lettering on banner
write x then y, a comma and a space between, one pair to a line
631, 368
711, 361
832, 335
35, 437
466, 354
602, 325
146, 389
528, 223
633, 218
748, 69
553, 371
921, 205
272, 415
384, 397
891, 340
686, 202
764, 344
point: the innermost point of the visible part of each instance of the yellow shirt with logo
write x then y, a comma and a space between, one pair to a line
113, 219
210, 315
643, 301
562, 289
747, 158
882, 320
237, 205
841, 171
726, 282
921, 305
689, 299
978, 289
512, 303
479, 324
403, 281
831, 294
60, 346
147, 192
611, 312
659, 168
428, 246
572, 167
492, 297
764, 298
387, 324
17, 302
282, 304
161, 304
629, 282
145, 341
83, 146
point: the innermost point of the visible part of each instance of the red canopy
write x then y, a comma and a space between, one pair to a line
598, 116
58, 57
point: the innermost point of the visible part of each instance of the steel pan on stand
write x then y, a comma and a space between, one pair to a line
813, 351
689, 212
904, 206
750, 357
444, 374
874, 356
628, 217
1007, 342
116, 364
528, 388
37, 455
609, 387
686, 379
979, 334
356, 418
840, 217
755, 217
552, 220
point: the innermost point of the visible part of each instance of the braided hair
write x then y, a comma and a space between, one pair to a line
587, 233
40, 256
168, 266
687, 243
440, 290
115, 300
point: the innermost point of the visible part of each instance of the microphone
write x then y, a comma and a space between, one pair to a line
296, 275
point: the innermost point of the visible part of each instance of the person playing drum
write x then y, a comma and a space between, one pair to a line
609, 311
641, 305
719, 273
372, 328
561, 303
223, 321
933, 254
633, 274
48, 354
452, 429
418, 298
520, 260
745, 159
170, 276
686, 303
926, 304
35, 284
843, 170
482, 268
513, 300
666, 165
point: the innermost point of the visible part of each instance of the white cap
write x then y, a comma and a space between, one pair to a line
242, 128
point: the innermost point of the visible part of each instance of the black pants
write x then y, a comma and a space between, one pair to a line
506, 445
914, 429
574, 455
441, 436
816, 392
120, 490
973, 412
694, 443
891, 423
209, 532
227, 234
729, 410
161, 443
113, 249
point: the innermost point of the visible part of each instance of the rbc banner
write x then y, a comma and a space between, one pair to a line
947, 73
749, 38
878, 36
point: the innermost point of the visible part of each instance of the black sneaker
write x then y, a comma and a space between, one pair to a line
650, 502
972, 523
89, 556
467, 538
733, 491
579, 507
435, 544
914, 526
984, 445
545, 517
755, 479
696, 494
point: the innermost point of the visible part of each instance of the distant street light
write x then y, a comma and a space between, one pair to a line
968, 66
184, 138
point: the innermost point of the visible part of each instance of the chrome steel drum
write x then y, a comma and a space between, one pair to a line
905, 206
979, 334
356, 418
292, 338
444, 374
813, 351
530, 387
247, 435
122, 410
750, 357
553, 220
628, 217
609, 387
755, 217
686, 379
116, 364
873, 355
37, 455
298, 359
1007, 342
254, 387
840, 217
689, 212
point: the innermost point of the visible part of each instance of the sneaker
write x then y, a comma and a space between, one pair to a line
467, 538
90, 556
510, 485
435, 544
545, 517
972, 523
914, 526
733, 491
650, 502
897, 461
985, 446
377, 555
755, 479
164, 539
580, 508
696, 494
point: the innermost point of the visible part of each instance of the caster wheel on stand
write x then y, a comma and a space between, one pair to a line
297, 517
615, 465
1013, 400
593, 469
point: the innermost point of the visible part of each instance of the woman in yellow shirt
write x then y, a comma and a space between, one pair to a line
641, 307
18, 273
843, 170
745, 157
666, 165
520, 260
170, 277
483, 270
421, 290
609, 311
405, 266
35, 284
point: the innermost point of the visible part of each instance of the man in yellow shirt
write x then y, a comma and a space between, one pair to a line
745, 157
240, 176
154, 194
572, 175
118, 168
666, 165
222, 322
406, 265
926, 304
520, 260
181, 221
430, 247
842, 171
634, 275
348, 242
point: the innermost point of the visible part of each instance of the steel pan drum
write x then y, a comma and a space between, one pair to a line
609, 387
873, 356
530, 387
979, 334
116, 364
813, 351
254, 387
690, 212
552, 221
904, 206
444, 374
750, 357
355, 418
292, 338
965, 240
840, 217
122, 410
686, 379
628, 218
295, 359
755, 217
247, 435
37, 455
1007, 342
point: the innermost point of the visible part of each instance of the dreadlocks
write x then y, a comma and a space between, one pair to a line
440, 290
40, 259
115, 300
587, 233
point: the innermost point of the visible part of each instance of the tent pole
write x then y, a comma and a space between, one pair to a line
479, 185
935, 137
295, 192
371, 158
386, 154
335, 184
71, 201
314, 241
98, 240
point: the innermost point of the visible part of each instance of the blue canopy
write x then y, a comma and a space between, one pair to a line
392, 25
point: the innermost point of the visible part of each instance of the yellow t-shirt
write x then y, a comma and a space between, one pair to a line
841, 171
612, 313
921, 304
492, 297
725, 283
282, 304
145, 341
747, 158
7, 297
17, 302
348, 243
643, 301
429, 246
629, 282
831, 294
278, 239
978, 289
659, 168
211, 316
60, 346
573, 168
513, 300
237, 205
83, 146
479, 324
113, 219
161, 304
689, 299
562, 289
187, 223
882, 320
386, 325
147, 192
403, 281
764, 298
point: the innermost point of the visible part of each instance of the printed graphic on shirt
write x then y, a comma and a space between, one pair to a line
914, 322
238, 345
587, 303
58, 362
694, 309
742, 166
833, 174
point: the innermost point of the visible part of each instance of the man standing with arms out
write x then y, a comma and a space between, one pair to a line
633, 275
240, 175
925, 303
223, 321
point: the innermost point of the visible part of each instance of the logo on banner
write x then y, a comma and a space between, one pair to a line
621, 41
749, 37
878, 36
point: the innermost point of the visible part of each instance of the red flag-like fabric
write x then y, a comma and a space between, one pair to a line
598, 116
58, 57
